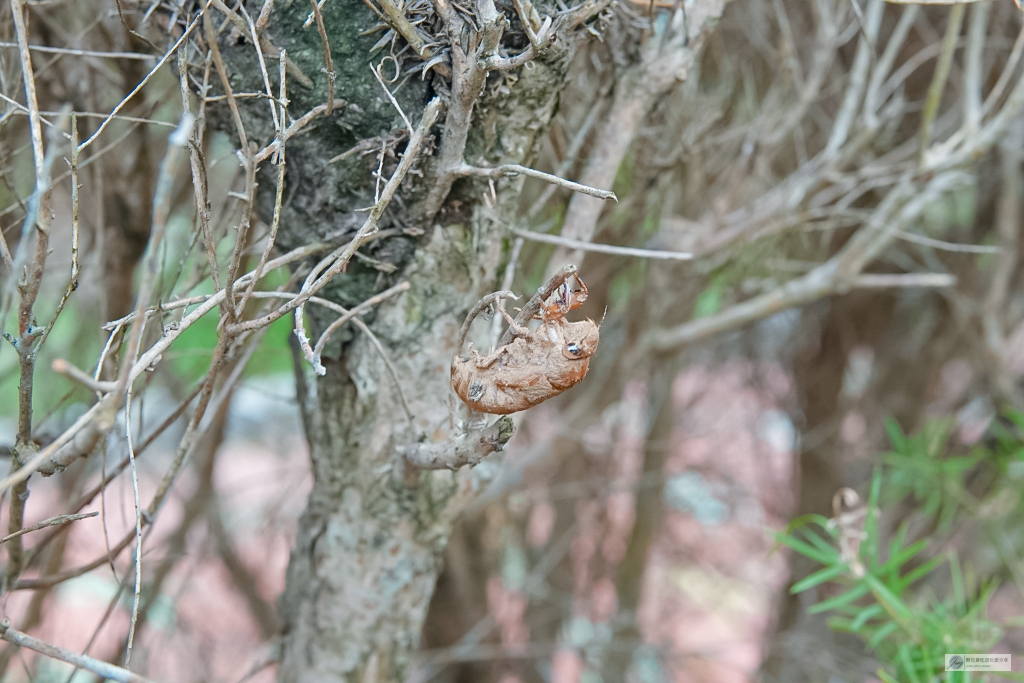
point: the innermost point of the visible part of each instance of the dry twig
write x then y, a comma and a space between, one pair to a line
96, 666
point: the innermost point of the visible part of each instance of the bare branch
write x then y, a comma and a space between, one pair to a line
395, 16
857, 79
279, 196
1007, 73
82, 53
62, 367
506, 285
940, 76
886, 281
264, 17
156, 68
602, 248
161, 209
901, 207
349, 315
59, 520
977, 30
468, 449
365, 233
96, 666
73, 279
278, 123
391, 98
137, 592
198, 173
947, 246
506, 170
328, 61
218, 61
294, 128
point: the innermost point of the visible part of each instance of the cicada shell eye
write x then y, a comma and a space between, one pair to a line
573, 351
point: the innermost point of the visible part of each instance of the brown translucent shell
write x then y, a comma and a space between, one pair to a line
528, 371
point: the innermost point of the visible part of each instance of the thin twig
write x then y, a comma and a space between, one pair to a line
62, 367
73, 279
395, 16
857, 79
900, 208
278, 123
602, 248
296, 126
161, 210
977, 30
491, 299
350, 315
268, 47
884, 64
156, 68
939, 77
53, 521
1009, 69
947, 246
575, 147
218, 62
96, 666
506, 170
887, 281
328, 60
1008, 232
137, 593
506, 285
82, 53
37, 221
391, 98
533, 306
365, 233
361, 146
278, 197
264, 17
198, 172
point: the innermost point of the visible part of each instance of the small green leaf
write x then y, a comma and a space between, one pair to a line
866, 614
900, 558
884, 594
908, 663
819, 577
881, 634
920, 572
884, 677
808, 550
895, 434
855, 593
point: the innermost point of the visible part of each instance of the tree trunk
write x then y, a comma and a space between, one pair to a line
369, 544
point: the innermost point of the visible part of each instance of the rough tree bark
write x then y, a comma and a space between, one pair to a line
369, 544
